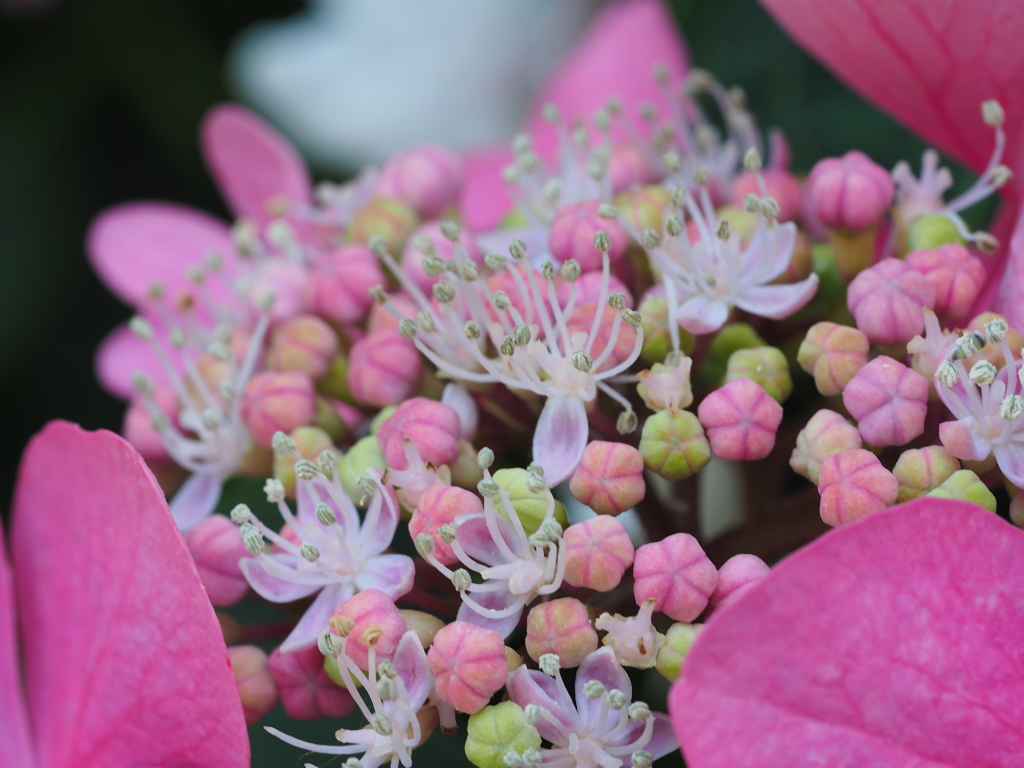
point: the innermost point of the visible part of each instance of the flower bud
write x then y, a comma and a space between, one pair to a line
609, 478
440, 505
934, 231
256, 687
529, 504
469, 665
676, 574
339, 283
373, 616
573, 231
765, 366
629, 167
833, 354
427, 178
581, 321
853, 485
920, 470
495, 731
277, 401
964, 485
597, 553
383, 368
307, 692
433, 427
674, 445
362, 456
216, 549
386, 218
741, 420
310, 442
889, 402
279, 288
678, 641
730, 339
826, 434
736, 575
954, 273
887, 301
850, 192
561, 627
644, 207
655, 323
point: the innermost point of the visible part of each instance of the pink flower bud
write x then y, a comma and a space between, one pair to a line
741, 420
676, 574
849, 192
588, 288
440, 505
277, 401
429, 236
572, 235
889, 402
765, 366
432, 426
339, 283
887, 301
384, 217
305, 344
286, 282
833, 354
369, 618
561, 627
921, 470
581, 321
956, 275
256, 687
736, 576
216, 549
382, 317
427, 178
853, 485
782, 186
957, 437
383, 368
597, 553
629, 167
609, 478
469, 665
307, 692
826, 434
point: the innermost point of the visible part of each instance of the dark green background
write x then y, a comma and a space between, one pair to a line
99, 104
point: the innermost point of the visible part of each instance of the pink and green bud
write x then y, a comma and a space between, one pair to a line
736, 576
425, 625
572, 233
676, 574
364, 455
384, 217
833, 354
889, 402
427, 178
597, 553
965, 485
383, 368
765, 366
256, 686
654, 321
741, 420
530, 505
216, 549
678, 641
466, 472
644, 207
674, 445
305, 344
955, 274
850, 192
994, 352
826, 434
561, 627
887, 301
853, 485
277, 401
433, 427
334, 383
340, 281
495, 731
469, 665
727, 341
368, 619
934, 231
666, 387
307, 691
310, 442
609, 478
920, 470
438, 507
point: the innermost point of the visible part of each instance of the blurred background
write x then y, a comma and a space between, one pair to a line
100, 101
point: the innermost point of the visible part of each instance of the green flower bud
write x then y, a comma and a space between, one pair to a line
309, 442
529, 505
964, 485
931, 232
730, 339
385, 218
335, 381
765, 366
497, 729
362, 456
678, 641
674, 446
654, 320
921, 470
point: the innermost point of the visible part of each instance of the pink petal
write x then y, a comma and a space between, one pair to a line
1009, 291
498, 600
1010, 458
391, 574
476, 540
253, 164
605, 668
615, 57
484, 199
135, 245
530, 686
314, 620
411, 664
196, 500
462, 402
778, 301
560, 437
894, 641
702, 315
119, 356
146, 679
270, 587
15, 742
380, 524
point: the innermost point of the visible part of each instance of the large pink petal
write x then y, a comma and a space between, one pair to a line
253, 164
895, 641
1009, 289
15, 743
125, 663
119, 356
484, 198
615, 57
135, 245
560, 437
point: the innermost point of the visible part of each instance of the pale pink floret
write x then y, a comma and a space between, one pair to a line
383, 368
889, 402
440, 505
741, 420
849, 192
277, 401
956, 275
340, 281
368, 610
561, 627
597, 552
427, 178
216, 549
469, 665
256, 687
826, 434
675, 573
572, 235
736, 576
431, 426
305, 344
854, 484
609, 478
888, 301
307, 693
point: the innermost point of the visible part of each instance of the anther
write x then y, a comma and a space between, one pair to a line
309, 553
378, 246
381, 724
485, 458
495, 261
426, 321
329, 643
986, 243
501, 300
571, 270
992, 113
723, 230
602, 241
607, 211
327, 461
673, 162
471, 329
507, 347
342, 625
274, 489
461, 580
593, 689
241, 514
305, 469
673, 225
143, 384
488, 488
424, 544
770, 208
627, 422
252, 540
444, 292
325, 515
582, 361
982, 373
517, 248
408, 328
947, 374
616, 699
996, 330
639, 711
447, 533
521, 335
642, 759
752, 160
547, 270
617, 301
450, 230
1012, 407
282, 444
650, 238
549, 664
632, 318
141, 328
